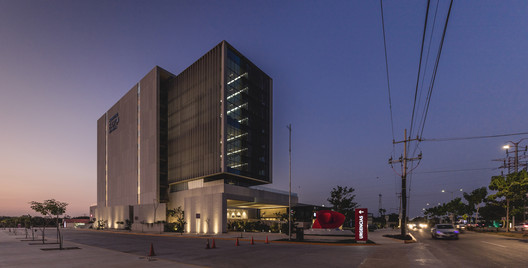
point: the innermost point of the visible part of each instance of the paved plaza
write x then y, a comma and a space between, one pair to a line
16, 251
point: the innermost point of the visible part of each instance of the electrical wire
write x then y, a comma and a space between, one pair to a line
453, 170
425, 70
427, 57
431, 86
387, 70
419, 66
476, 137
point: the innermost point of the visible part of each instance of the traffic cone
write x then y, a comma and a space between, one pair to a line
214, 246
267, 242
151, 253
252, 241
236, 243
207, 245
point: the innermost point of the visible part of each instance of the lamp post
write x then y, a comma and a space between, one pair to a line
452, 198
289, 194
452, 192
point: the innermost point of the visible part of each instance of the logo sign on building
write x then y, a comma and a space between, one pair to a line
361, 224
113, 122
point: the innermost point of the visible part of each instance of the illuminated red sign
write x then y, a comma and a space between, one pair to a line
361, 224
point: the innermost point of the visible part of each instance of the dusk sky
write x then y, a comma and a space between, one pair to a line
64, 63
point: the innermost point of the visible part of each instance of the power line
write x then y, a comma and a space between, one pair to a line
476, 137
425, 67
427, 57
387, 68
419, 66
436, 67
453, 170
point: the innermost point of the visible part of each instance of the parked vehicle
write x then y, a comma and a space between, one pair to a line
444, 231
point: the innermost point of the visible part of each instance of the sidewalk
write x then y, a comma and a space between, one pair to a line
17, 253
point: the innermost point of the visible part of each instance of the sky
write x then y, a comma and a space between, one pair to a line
64, 63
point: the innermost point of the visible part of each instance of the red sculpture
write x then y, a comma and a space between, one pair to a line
327, 219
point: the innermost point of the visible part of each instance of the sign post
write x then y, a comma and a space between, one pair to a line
361, 225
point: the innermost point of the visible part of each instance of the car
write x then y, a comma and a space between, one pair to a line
521, 227
444, 230
461, 227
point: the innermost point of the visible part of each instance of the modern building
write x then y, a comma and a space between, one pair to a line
200, 140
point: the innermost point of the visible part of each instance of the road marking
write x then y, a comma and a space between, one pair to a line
494, 244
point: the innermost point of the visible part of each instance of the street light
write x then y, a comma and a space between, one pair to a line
452, 193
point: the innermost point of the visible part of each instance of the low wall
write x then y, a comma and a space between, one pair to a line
147, 227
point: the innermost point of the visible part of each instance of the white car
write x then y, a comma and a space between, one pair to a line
461, 227
522, 227
444, 230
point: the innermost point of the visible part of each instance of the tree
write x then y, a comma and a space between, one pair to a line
456, 208
475, 198
492, 210
342, 200
48, 209
511, 187
179, 215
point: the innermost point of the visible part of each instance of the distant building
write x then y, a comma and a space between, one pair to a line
75, 223
201, 140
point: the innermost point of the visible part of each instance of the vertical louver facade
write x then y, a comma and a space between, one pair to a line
219, 120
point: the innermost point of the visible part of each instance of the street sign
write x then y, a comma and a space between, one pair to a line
361, 224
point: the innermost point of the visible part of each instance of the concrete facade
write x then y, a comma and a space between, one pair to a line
206, 206
127, 155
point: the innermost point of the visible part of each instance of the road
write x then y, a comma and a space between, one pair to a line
471, 250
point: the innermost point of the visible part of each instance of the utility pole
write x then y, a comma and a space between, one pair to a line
399, 211
516, 157
516, 163
379, 205
289, 195
404, 160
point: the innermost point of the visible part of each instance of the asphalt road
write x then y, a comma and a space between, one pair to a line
471, 250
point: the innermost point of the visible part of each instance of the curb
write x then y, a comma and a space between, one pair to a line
410, 241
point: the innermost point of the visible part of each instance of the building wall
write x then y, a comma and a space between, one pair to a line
122, 152
208, 202
194, 119
133, 143
145, 213
101, 161
149, 142
112, 215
